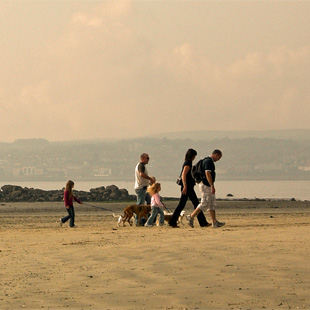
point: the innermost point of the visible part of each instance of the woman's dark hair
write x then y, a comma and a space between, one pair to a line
190, 154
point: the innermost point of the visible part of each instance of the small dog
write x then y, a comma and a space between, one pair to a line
121, 219
139, 210
168, 217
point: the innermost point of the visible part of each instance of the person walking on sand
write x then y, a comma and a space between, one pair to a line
207, 189
156, 206
68, 199
143, 180
187, 191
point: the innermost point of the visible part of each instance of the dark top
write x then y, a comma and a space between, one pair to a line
189, 179
208, 164
69, 200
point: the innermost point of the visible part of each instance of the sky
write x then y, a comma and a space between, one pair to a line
73, 70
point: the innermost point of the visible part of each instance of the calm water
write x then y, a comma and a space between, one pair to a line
240, 189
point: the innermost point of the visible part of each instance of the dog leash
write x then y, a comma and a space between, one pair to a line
101, 208
168, 210
105, 209
164, 206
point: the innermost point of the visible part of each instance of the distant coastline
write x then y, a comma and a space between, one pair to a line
247, 155
226, 190
291, 134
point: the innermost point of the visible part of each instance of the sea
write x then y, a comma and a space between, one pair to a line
299, 190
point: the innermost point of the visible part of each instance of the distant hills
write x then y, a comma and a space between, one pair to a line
285, 134
248, 155
195, 135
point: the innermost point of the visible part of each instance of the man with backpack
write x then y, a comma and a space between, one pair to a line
204, 172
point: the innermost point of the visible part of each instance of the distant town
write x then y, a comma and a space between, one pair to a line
243, 159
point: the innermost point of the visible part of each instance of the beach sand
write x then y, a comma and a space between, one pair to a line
258, 260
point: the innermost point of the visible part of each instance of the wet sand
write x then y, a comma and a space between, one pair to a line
258, 260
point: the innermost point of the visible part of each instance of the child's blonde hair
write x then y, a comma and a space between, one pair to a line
153, 189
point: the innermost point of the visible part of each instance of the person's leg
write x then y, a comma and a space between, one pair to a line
147, 198
195, 213
201, 206
200, 217
161, 217
213, 217
72, 215
66, 218
211, 209
141, 193
211, 205
143, 221
204, 199
178, 210
150, 220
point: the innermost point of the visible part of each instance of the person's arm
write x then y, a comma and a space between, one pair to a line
209, 178
145, 176
184, 173
77, 200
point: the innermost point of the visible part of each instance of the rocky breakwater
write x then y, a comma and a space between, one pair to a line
14, 193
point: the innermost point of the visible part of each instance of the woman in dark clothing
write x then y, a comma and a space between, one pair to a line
187, 191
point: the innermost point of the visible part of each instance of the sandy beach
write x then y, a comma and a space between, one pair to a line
258, 260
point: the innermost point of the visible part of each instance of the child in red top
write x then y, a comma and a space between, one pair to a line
68, 198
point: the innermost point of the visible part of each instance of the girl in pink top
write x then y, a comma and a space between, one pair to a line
68, 198
156, 206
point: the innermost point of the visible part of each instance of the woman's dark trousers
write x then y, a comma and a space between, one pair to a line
70, 216
191, 194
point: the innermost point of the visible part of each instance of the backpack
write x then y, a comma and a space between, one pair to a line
198, 173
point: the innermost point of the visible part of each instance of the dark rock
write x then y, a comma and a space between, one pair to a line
124, 192
229, 195
7, 189
115, 195
17, 193
112, 187
106, 195
259, 199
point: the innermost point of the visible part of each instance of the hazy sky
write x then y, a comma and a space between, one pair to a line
108, 69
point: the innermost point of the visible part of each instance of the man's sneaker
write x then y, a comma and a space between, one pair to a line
217, 224
146, 225
60, 222
190, 221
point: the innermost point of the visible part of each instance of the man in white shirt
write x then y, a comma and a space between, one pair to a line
143, 180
